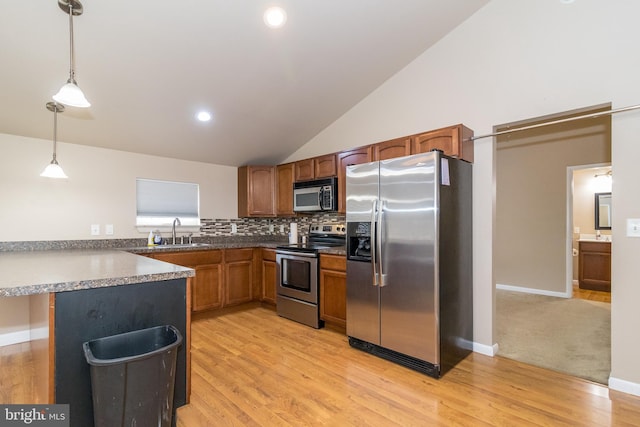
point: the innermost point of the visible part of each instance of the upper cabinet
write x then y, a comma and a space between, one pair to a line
284, 189
256, 191
315, 168
398, 147
267, 191
304, 170
454, 141
348, 158
325, 166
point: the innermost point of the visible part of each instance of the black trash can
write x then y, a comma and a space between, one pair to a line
133, 377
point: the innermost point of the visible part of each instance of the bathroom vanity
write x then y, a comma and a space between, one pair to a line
594, 265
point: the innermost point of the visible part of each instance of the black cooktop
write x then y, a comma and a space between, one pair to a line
321, 236
308, 247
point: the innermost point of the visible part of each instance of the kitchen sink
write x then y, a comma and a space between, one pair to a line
181, 246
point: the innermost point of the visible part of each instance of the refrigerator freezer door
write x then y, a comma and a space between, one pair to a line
409, 290
363, 309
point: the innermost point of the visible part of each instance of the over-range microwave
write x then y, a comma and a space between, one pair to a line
315, 196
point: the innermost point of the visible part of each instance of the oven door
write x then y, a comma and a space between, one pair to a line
298, 275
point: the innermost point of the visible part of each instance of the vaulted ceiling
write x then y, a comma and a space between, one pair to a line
148, 66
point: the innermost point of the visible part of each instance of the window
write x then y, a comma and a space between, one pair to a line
158, 203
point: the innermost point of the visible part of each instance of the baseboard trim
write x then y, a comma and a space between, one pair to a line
15, 337
624, 386
533, 291
23, 336
487, 350
39, 333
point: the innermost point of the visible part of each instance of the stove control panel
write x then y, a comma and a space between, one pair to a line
332, 229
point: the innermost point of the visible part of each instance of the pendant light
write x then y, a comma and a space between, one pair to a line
53, 169
70, 94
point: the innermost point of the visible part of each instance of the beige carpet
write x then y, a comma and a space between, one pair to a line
566, 335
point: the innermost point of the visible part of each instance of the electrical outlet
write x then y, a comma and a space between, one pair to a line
282, 228
234, 228
270, 228
95, 229
108, 229
576, 230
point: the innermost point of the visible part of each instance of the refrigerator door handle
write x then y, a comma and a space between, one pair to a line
380, 221
372, 227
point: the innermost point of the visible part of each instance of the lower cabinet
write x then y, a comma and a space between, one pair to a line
269, 276
207, 285
333, 289
223, 276
238, 274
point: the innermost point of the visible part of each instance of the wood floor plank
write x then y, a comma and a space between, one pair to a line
266, 370
251, 367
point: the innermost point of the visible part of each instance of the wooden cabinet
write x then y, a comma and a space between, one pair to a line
223, 276
348, 158
453, 141
305, 170
256, 191
325, 166
238, 275
269, 276
316, 168
594, 266
207, 285
398, 147
284, 189
333, 289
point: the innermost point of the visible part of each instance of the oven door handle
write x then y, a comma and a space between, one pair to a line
291, 254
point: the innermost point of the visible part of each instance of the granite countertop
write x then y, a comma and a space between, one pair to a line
199, 247
37, 272
41, 267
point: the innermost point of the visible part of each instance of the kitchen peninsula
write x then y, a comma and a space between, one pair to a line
79, 295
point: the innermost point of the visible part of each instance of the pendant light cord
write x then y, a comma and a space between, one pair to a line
72, 76
55, 132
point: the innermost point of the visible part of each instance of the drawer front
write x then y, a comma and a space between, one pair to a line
333, 262
269, 255
191, 258
602, 247
233, 255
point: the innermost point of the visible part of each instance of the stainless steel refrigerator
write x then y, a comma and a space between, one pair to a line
409, 260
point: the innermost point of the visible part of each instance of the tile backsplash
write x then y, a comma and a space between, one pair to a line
263, 226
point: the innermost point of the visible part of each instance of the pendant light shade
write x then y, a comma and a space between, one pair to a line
53, 169
70, 94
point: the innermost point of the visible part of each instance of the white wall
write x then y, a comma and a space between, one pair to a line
513, 60
101, 189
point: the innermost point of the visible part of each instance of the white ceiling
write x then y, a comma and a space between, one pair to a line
147, 67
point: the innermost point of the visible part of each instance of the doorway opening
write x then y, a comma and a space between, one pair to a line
533, 257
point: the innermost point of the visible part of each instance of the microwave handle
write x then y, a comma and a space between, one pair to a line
321, 198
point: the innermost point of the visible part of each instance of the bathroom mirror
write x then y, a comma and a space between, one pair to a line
603, 211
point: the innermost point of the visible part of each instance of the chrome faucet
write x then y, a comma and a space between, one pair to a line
173, 229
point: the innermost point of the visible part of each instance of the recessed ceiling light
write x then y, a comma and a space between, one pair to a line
204, 116
275, 17
566, 1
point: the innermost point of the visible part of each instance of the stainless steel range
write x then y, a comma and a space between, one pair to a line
297, 269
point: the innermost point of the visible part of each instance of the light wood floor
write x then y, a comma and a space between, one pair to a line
591, 295
251, 367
